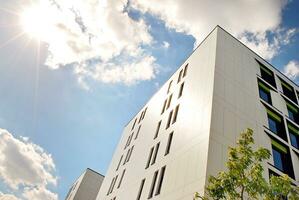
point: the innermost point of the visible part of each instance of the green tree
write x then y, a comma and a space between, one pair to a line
244, 179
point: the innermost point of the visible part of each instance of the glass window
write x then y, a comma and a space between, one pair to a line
288, 91
277, 157
294, 135
140, 189
267, 75
150, 195
276, 124
292, 112
264, 92
273, 125
160, 182
282, 158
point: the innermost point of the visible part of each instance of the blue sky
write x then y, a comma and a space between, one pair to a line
69, 86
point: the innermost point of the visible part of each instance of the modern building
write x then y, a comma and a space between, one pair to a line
181, 136
86, 187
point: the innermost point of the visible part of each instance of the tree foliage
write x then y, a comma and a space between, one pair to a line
244, 179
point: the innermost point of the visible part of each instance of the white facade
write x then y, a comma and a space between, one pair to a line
220, 98
86, 187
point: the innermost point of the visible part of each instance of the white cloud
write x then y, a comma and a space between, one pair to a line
241, 18
166, 45
8, 197
79, 31
39, 193
291, 70
25, 164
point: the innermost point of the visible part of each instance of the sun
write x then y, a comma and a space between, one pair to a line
36, 22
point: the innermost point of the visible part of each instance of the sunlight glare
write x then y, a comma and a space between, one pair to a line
36, 22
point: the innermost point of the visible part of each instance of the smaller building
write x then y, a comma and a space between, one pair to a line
86, 187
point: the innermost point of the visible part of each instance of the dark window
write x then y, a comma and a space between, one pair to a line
180, 75
164, 106
181, 90
134, 124
158, 129
282, 158
126, 156
144, 113
156, 153
169, 143
149, 158
185, 70
288, 91
119, 162
113, 184
169, 87
140, 189
294, 135
130, 153
150, 195
121, 178
267, 75
276, 124
293, 112
169, 102
138, 132
176, 111
264, 92
112, 181
160, 181
169, 120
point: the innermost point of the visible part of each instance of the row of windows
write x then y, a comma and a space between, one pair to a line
280, 152
114, 180
156, 184
172, 118
265, 94
182, 74
268, 76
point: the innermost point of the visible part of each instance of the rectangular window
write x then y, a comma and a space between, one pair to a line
181, 90
169, 120
185, 70
169, 102
264, 92
150, 195
160, 181
140, 189
168, 143
130, 153
134, 124
130, 139
288, 91
138, 132
119, 162
112, 181
113, 184
294, 135
169, 86
121, 178
276, 124
158, 129
144, 113
156, 153
140, 118
180, 75
176, 114
126, 156
282, 158
293, 112
267, 75
149, 158
164, 106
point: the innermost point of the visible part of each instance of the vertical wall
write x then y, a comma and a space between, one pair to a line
237, 105
187, 160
